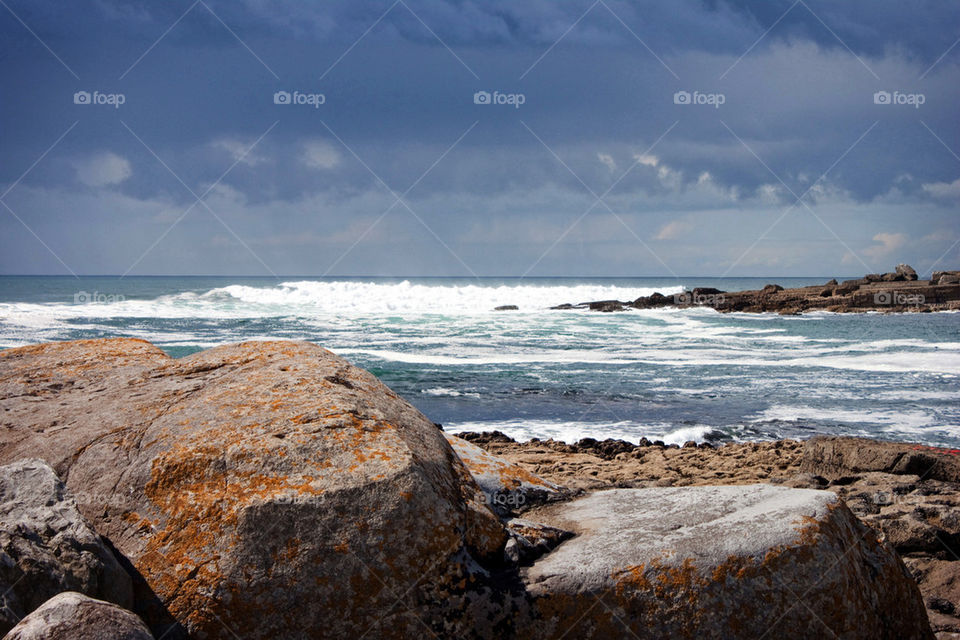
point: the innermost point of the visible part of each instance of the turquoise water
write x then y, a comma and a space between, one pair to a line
664, 374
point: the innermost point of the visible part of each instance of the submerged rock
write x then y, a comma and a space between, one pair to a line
721, 562
47, 547
74, 616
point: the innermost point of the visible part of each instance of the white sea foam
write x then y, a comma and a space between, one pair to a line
903, 420
445, 392
407, 297
574, 431
341, 298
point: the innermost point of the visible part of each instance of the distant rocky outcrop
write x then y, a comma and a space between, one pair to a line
74, 616
47, 547
897, 291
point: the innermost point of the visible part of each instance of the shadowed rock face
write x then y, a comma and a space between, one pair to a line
505, 487
74, 616
268, 488
47, 547
721, 562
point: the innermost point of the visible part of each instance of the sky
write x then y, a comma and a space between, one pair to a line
468, 138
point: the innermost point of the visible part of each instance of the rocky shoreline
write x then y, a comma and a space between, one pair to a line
273, 490
898, 291
910, 493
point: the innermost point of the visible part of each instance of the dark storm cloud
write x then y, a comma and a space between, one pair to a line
502, 183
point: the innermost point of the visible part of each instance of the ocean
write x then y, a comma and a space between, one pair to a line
665, 374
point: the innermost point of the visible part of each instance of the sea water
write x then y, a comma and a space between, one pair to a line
668, 374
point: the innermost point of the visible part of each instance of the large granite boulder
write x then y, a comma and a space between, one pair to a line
74, 616
265, 489
727, 562
47, 547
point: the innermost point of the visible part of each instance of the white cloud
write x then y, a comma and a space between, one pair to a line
647, 160
240, 151
671, 230
320, 154
102, 169
607, 161
887, 244
943, 189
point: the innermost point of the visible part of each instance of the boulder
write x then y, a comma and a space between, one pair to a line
47, 547
74, 616
268, 489
720, 562
835, 457
893, 277
906, 271
606, 306
507, 307
948, 278
506, 487
848, 287
771, 288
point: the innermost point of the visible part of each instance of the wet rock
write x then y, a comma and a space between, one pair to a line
74, 616
486, 437
47, 547
720, 562
507, 307
607, 449
606, 306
